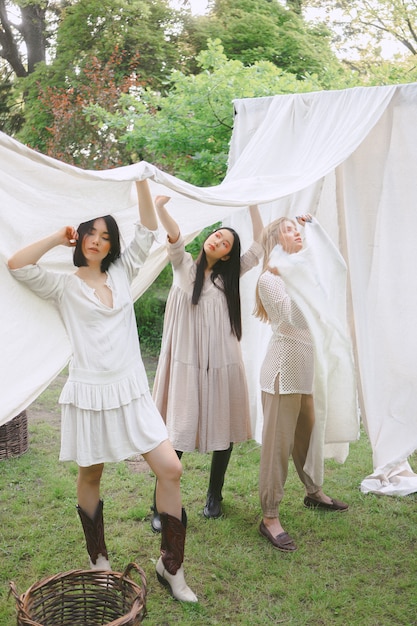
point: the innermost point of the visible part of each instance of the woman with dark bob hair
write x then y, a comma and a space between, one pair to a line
114, 237
107, 410
200, 385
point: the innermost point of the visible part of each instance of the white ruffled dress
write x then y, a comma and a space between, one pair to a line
107, 410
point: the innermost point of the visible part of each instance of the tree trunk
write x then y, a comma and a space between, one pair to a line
31, 32
9, 47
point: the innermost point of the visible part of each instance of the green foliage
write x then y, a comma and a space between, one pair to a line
70, 132
378, 19
36, 118
142, 34
144, 29
362, 28
181, 115
149, 311
187, 132
10, 111
265, 30
386, 72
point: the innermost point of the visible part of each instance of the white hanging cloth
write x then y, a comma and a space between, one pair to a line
332, 149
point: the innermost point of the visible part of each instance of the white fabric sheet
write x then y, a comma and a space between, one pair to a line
315, 279
346, 156
366, 202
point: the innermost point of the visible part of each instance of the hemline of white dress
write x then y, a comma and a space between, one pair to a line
90, 436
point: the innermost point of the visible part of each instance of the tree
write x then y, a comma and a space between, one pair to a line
254, 30
187, 132
366, 23
145, 28
144, 32
296, 6
74, 137
25, 41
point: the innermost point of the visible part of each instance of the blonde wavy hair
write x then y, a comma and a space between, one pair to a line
270, 238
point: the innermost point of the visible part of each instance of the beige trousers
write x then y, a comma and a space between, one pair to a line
288, 423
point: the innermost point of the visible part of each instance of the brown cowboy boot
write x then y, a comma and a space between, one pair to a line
170, 569
94, 536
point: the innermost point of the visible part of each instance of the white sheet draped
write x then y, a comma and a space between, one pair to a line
347, 156
316, 280
365, 200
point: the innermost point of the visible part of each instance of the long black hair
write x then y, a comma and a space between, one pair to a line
114, 235
229, 273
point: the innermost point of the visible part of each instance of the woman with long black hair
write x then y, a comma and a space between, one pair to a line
200, 384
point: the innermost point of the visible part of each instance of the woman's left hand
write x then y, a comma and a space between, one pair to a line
304, 219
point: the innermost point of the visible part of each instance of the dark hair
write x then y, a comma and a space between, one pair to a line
229, 273
114, 234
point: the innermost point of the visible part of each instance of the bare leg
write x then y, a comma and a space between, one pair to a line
155, 517
90, 511
167, 468
88, 487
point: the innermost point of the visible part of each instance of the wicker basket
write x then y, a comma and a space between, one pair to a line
14, 437
83, 598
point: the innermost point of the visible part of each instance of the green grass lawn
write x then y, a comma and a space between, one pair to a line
356, 568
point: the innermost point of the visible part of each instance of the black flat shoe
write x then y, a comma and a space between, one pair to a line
213, 508
335, 505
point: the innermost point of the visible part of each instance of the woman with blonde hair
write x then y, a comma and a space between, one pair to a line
287, 388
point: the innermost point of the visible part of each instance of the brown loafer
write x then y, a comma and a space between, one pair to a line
281, 542
335, 505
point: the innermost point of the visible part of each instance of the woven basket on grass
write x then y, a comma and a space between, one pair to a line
14, 437
83, 598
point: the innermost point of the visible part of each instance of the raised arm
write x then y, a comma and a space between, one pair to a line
168, 222
257, 225
66, 236
147, 213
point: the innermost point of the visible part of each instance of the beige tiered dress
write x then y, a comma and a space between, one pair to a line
200, 384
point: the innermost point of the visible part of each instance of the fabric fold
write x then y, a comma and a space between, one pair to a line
283, 155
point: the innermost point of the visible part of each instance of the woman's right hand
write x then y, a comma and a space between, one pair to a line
68, 236
273, 270
167, 221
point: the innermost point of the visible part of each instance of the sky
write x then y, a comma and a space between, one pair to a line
198, 7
